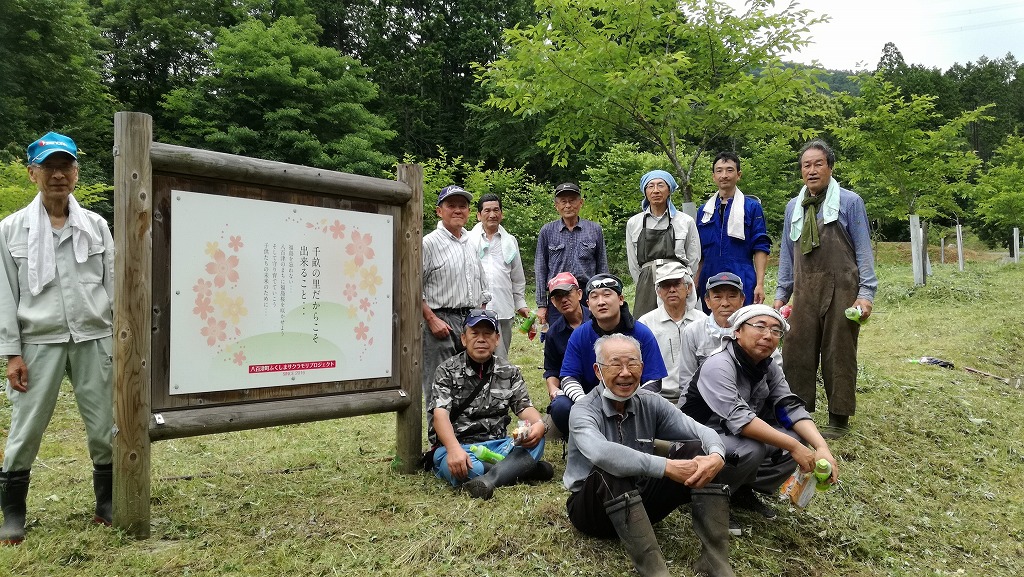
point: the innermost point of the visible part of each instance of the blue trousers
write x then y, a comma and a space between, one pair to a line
502, 446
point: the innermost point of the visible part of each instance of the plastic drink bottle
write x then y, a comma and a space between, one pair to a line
854, 314
486, 455
528, 323
822, 471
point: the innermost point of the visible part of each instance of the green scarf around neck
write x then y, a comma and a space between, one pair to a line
809, 239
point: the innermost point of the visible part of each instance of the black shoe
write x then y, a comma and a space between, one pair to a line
838, 426
745, 498
735, 528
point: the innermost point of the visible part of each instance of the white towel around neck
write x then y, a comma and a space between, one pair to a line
734, 227
42, 264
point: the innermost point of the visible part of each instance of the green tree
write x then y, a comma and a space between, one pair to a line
678, 77
421, 55
156, 47
50, 79
902, 165
273, 93
1000, 193
771, 173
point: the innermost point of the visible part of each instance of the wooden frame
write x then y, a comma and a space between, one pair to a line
145, 173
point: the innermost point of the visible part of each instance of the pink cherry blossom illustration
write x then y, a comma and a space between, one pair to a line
337, 229
223, 268
362, 331
214, 331
350, 291
239, 358
203, 307
360, 247
364, 305
236, 243
203, 287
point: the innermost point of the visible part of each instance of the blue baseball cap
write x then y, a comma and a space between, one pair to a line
49, 143
454, 189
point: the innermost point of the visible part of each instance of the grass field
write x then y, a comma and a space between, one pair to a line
930, 478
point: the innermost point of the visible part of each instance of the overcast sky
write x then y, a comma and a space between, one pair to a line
935, 33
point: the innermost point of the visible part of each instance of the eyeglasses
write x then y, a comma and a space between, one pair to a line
657, 185
484, 313
671, 283
66, 168
633, 366
563, 201
765, 329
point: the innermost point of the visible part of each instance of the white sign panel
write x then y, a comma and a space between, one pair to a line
265, 294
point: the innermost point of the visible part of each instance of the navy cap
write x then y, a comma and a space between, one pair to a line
454, 189
477, 316
568, 188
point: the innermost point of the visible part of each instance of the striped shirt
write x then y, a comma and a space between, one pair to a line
579, 250
453, 277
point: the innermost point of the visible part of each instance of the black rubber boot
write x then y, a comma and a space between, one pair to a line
103, 486
518, 464
838, 426
633, 526
542, 471
711, 524
13, 491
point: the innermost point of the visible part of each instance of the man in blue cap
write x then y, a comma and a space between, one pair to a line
55, 321
472, 395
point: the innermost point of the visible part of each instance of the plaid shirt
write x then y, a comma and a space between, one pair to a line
580, 251
487, 416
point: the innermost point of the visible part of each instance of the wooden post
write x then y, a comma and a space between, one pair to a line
924, 252
960, 245
1016, 244
915, 250
409, 433
133, 320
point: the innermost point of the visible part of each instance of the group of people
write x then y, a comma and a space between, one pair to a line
672, 402
684, 398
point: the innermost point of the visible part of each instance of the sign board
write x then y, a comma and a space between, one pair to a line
286, 295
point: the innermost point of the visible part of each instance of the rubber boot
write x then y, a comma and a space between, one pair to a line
103, 486
630, 520
711, 524
13, 491
838, 426
518, 464
542, 471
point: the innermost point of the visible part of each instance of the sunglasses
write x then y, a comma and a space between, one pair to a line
484, 313
604, 283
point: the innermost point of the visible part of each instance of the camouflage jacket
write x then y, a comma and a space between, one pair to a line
487, 416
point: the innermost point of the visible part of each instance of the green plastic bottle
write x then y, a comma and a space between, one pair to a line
528, 323
486, 455
822, 471
855, 314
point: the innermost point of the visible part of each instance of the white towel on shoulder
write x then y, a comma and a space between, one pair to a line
42, 264
737, 215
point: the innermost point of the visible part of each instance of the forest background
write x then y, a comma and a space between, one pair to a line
515, 96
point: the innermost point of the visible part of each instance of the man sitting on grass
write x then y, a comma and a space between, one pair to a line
619, 487
743, 395
470, 401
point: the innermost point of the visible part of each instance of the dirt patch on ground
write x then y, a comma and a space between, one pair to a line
899, 252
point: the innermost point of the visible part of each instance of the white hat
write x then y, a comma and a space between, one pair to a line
669, 270
750, 311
